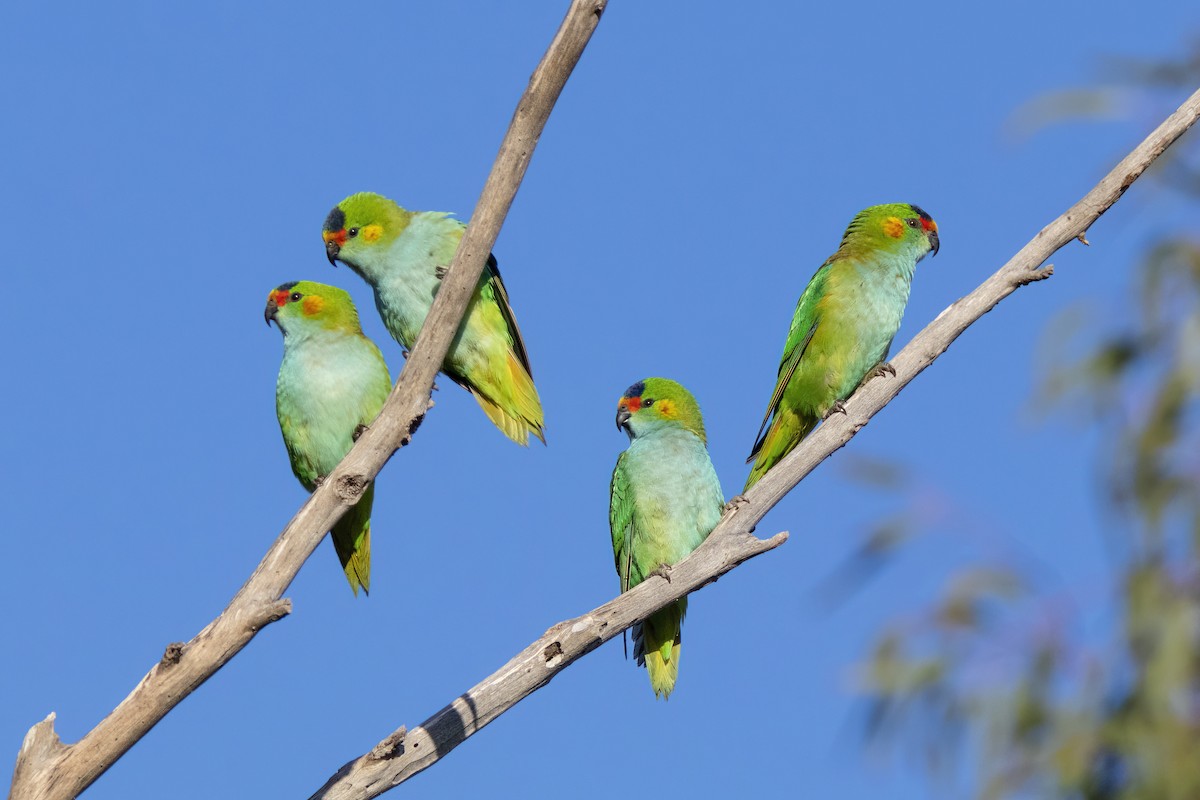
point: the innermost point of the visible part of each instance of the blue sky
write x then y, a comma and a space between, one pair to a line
166, 166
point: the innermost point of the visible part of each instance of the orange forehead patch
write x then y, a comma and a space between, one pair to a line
893, 227
311, 304
334, 236
928, 224
280, 297
632, 403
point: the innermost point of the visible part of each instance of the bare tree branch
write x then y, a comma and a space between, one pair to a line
47, 769
405, 753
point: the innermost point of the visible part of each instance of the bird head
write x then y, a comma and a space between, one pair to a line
656, 403
308, 306
361, 226
895, 226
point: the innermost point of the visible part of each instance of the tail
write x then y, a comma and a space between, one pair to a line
786, 431
656, 644
517, 411
352, 541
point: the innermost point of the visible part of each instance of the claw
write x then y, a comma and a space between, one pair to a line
440, 271
735, 503
358, 431
663, 571
838, 407
879, 370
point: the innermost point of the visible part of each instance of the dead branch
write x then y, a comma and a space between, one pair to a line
48, 769
407, 752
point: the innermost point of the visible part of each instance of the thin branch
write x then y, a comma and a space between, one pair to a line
405, 753
47, 769
1023, 268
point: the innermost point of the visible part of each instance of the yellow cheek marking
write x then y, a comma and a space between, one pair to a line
665, 407
371, 232
311, 305
893, 227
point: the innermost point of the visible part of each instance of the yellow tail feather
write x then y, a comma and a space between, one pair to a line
522, 415
352, 542
786, 431
358, 567
657, 644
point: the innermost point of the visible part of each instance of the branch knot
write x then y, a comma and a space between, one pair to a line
171, 655
390, 747
350, 488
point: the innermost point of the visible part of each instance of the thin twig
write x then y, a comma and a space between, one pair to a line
407, 752
47, 769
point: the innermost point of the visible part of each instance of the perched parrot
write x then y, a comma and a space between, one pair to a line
403, 255
332, 383
844, 325
665, 500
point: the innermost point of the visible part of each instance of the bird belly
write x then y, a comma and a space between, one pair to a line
677, 497
854, 335
405, 290
325, 405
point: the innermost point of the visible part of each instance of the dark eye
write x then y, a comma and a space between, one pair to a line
352, 232
913, 222
296, 297
647, 402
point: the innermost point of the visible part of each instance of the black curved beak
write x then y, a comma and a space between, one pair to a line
934, 242
623, 416
331, 252
269, 314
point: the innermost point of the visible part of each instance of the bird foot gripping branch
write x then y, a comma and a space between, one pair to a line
735, 503
879, 370
838, 407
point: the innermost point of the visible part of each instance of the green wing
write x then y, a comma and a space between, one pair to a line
297, 442
492, 286
622, 524
804, 325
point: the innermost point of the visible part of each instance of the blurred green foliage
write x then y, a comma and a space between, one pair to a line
990, 675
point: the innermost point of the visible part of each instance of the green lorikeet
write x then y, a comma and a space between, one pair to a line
332, 383
844, 325
665, 500
403, 255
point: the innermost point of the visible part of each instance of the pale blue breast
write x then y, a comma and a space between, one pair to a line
877, 304
676, 494
328, 384
404, 291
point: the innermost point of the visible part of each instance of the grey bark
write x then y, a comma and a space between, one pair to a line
404, 753
48, 769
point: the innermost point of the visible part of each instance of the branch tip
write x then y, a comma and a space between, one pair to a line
1035, 275
40, 746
